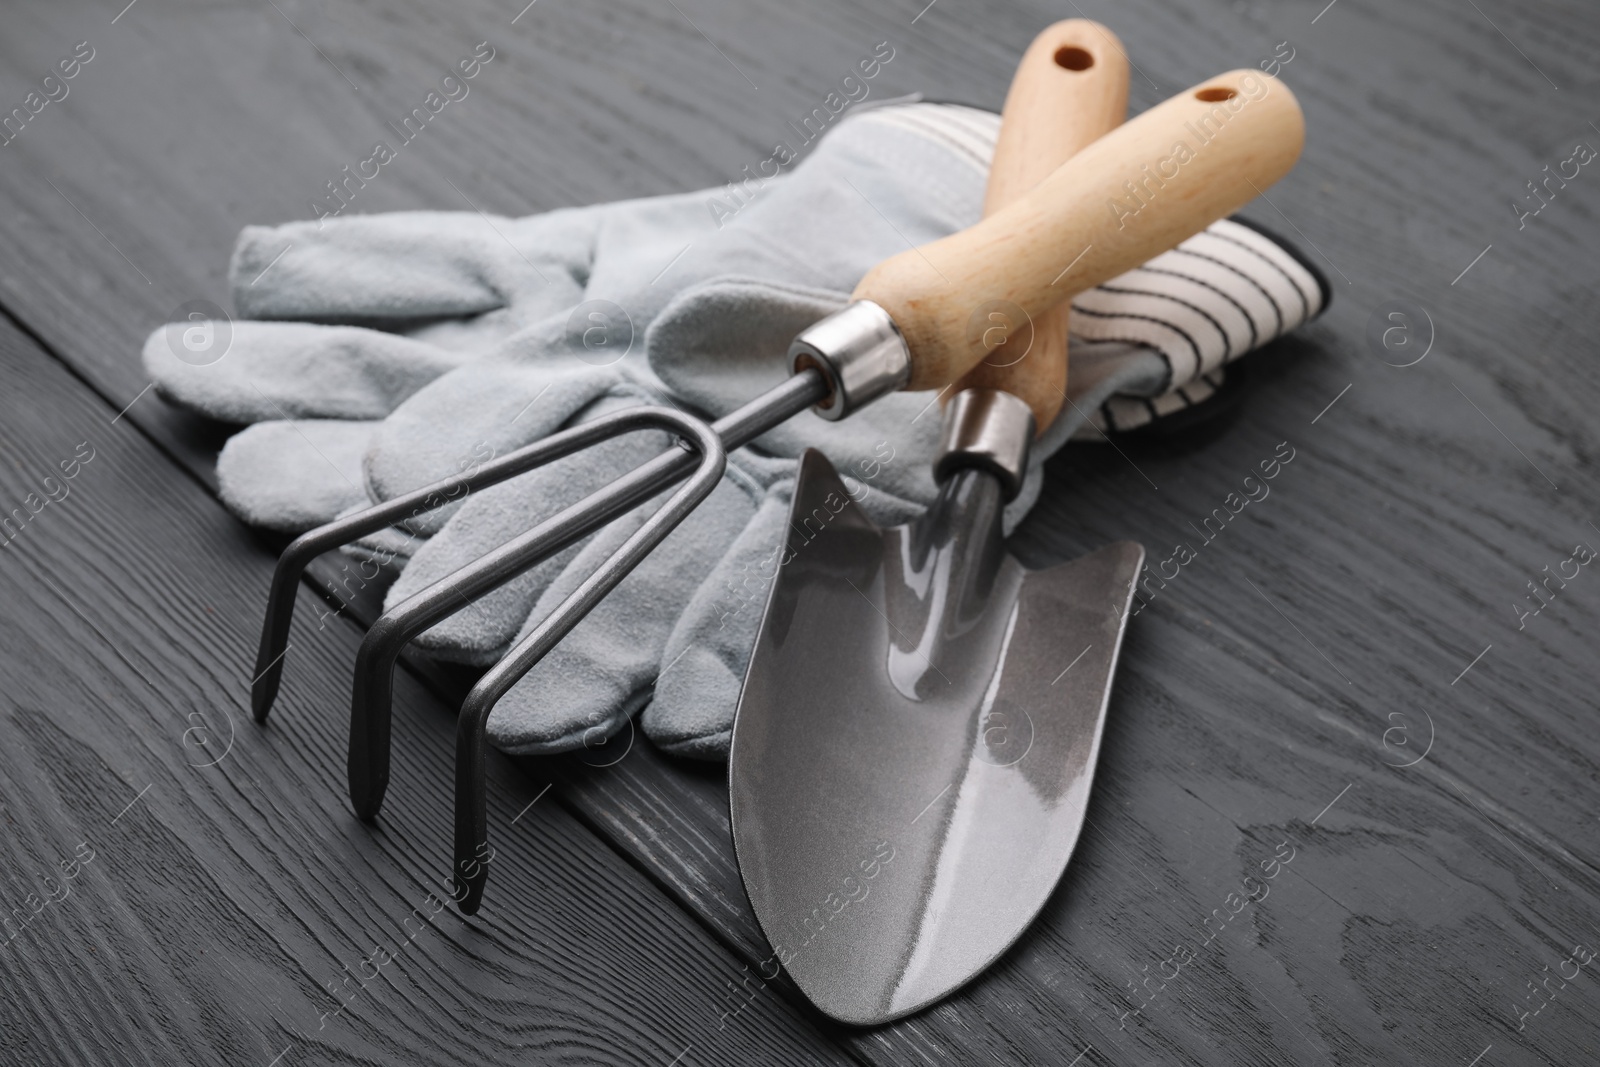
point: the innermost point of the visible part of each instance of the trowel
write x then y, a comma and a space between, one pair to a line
917, 735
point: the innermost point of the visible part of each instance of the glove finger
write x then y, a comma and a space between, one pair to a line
704, 661
721, 343
293, 370
467, 417
590, 683
481, 631
390, 547
407, 265
293, 476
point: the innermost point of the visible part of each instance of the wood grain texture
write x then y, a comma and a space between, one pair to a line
218, 903
1391, 548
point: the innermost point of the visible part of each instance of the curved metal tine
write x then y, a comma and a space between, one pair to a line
736, 429
308, 546
471, 837
373, 693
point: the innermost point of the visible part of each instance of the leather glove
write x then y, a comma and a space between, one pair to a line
437, 340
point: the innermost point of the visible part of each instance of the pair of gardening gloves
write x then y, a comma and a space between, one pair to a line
377, 354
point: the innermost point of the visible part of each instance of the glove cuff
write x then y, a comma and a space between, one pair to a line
1223, 293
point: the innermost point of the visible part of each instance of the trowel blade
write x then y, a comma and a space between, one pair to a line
915, 742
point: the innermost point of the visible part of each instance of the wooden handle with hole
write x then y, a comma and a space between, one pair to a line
1133, 194
1070, 89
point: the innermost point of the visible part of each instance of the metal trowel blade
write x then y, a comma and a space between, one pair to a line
916, 740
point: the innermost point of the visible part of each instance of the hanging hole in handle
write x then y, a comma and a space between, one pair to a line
1216, 94
1071, 57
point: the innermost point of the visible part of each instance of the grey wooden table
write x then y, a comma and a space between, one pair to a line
1342, 676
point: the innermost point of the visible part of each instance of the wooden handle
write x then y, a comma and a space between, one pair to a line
1070, 88
1131, 195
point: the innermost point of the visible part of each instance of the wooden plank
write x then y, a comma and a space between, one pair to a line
218, 901
1423, 901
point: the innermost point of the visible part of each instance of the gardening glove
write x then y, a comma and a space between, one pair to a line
534, 356
394, 302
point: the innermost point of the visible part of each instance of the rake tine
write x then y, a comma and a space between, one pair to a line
738, 428
472, 832
308, 546
370, 708
372, 696
471, 867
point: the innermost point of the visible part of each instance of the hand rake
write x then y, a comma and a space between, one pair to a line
905, 328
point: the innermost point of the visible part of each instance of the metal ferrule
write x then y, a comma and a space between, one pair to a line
989, 429
861, 353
